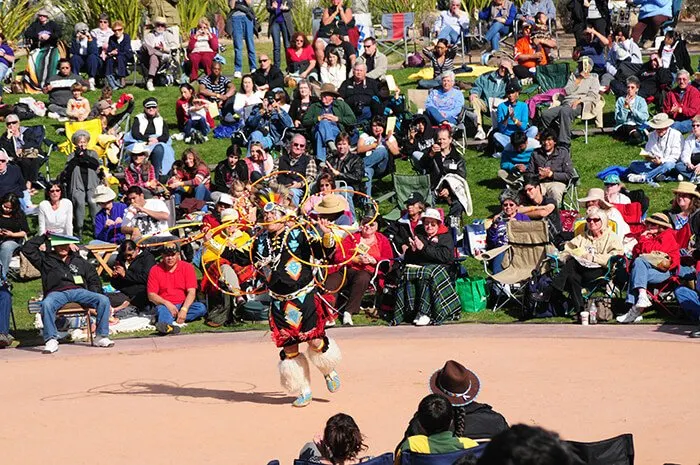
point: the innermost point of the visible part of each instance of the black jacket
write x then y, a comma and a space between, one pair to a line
352, 168
91, 48
360, 96
224, 175
57, 275
32, 34
295, 108
437, 167
440, 252
274, 78
136, 277
32, 137
12, 181
423, 141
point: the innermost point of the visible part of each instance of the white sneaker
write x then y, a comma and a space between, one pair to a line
347, 319
103, 341
149, 85
330, 323
643, 299
237, 75
91, 83
423, 320
680, 177
636, 178
632, 316
51, 346
52, 115
480, 134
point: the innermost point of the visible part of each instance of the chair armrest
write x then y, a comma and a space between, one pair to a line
385, 197
491, 254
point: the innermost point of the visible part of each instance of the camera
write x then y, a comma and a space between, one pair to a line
270, 99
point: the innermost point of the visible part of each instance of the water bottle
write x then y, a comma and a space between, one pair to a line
593, 314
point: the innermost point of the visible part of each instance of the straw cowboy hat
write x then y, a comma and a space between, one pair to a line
329, 89
104, 194
595, 193
330, 204
685, 187
661, 121
160, 20
660, 219
456, 383
431, 213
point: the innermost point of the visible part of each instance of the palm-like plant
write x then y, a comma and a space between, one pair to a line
15, 17
190, 13
130, 12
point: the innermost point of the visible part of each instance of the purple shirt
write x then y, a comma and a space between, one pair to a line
8, 51
111, 233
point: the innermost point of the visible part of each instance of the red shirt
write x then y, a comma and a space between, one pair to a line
172, 285
307, 54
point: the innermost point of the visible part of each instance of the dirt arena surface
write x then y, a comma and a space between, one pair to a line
215, 398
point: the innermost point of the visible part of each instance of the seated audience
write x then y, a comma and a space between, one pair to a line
245, 99
145, 217
232, 168
193, 117
156, 49
13, 230
372, 247
377, 63
346, 166
18, 142
426, 290
343, 48
421, 136
497, 234
663, 152
377, 149
267, 76
359, 92
673, 53
435, 415
445, 103
108, 221
130, 274
526, 445
405, 227
140, 172
447, 170
218, 88
81, 178
192, 179
631, 114
78, 107
11, 180
58, 87
686, 200
342, 441
327, 118
101, 35
595, 198
452, 24
552, 165
119, 54
259, 162
202, 48
268, 122
441, 59
512, 116
332, 69
585, 257
172, 288
488, 91
582, 90
7, 58
647, 268
593, 47
55, 212
516, 156
471, 419
530, 8
44, 34
303, 98
500, 14
530, 52
542, 34
301, 59
624, 52
296, 160
84, 53
150, 128
325, 185
689, 164
613, 187
682, 103
66, 277
538, 206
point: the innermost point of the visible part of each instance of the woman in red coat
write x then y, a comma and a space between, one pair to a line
658, 237
373, 247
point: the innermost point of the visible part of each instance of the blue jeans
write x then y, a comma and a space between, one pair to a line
493, 35
7, 248
450, 34
504, 140
683, 126
156, 156
200, 193
375, 163
5, 311
242, 29
57, 299
278, 30
89, 63
437, 118
196, 311
643, 274
200, 125
3, 72
663, 168
323, 132
684, 171
688, 300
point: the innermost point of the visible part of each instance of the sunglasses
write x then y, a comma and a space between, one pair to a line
592, 220
170, 253
610, 184
509, 204
118, 30
299, 145
12, 122
263, 61
55, 190
102, 21
4, 161
161, 25
695, 125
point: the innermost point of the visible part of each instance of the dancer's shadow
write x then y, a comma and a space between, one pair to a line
679, 328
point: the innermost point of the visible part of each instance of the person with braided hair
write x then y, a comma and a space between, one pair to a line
470, 419
282, 253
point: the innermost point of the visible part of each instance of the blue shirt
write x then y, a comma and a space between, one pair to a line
111, 233
508, 126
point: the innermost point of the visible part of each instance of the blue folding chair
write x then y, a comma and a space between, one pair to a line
384, 459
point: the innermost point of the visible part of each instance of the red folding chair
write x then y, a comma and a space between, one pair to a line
393, 32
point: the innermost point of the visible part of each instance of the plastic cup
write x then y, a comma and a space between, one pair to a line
584, 318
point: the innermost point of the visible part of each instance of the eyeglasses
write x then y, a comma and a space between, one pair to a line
296, 144
263, 60
102, 21
592, 220
55, 190
4, 161
12, 122
118, 30
161, 25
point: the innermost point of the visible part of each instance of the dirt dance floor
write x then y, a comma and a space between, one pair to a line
215, 399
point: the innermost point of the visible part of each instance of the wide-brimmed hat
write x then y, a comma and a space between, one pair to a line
104, 194
78, 134
685, 187
660, 219
160, 20
595, 193
431, 213
329, 88
226, 199
456, 383
330, 204
138, 147
661, 121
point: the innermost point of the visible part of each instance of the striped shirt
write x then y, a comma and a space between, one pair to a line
439, 68
220, 87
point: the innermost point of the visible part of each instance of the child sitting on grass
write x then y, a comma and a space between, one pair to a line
78, 107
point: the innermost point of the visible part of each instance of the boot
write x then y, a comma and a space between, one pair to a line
294, 377
326, 359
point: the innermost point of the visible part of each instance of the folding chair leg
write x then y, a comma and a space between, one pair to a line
585, 134
14, 322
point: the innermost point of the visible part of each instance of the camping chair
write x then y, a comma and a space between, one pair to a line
384, 459
570, 199
415, 458
618, 450
404, 186
548, 77
632, 214
92, 126
526, 252
394, 32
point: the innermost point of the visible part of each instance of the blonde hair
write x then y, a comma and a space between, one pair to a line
204, 20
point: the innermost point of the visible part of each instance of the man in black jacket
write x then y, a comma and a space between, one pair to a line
359, 93
11, 179
66, 278
345, 165
233, 168
552, 165
267, 76
131, 274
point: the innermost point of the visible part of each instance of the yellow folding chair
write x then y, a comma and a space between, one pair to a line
92, 126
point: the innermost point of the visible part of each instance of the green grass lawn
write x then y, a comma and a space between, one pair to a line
600, 152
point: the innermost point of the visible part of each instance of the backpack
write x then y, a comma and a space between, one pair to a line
414, 60
538, 293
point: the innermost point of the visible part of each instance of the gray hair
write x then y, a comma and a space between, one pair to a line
683, 73
359, 65
447, 74
633, 80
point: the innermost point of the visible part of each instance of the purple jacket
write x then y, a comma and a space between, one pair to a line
111, 233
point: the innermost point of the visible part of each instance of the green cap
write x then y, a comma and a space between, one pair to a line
62, 239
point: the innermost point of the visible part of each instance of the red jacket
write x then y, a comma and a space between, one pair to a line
346, 249
690, 103
183, 116
213, 43
663, 242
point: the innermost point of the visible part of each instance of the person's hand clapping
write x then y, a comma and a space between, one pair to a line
418, 244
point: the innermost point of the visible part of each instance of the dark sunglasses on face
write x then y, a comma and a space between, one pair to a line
592, 220
299, 145
12, 123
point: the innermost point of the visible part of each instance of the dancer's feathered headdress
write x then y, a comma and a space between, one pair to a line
271, 200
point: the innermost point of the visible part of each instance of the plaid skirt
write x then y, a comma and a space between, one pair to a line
426, 290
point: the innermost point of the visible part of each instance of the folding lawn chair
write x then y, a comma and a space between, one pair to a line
570, 198
394, 32
548, 77
384, 459
404, 186
415, 458
92, 126
614, 451
526, 252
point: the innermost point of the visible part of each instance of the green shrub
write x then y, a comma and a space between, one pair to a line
15, 17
